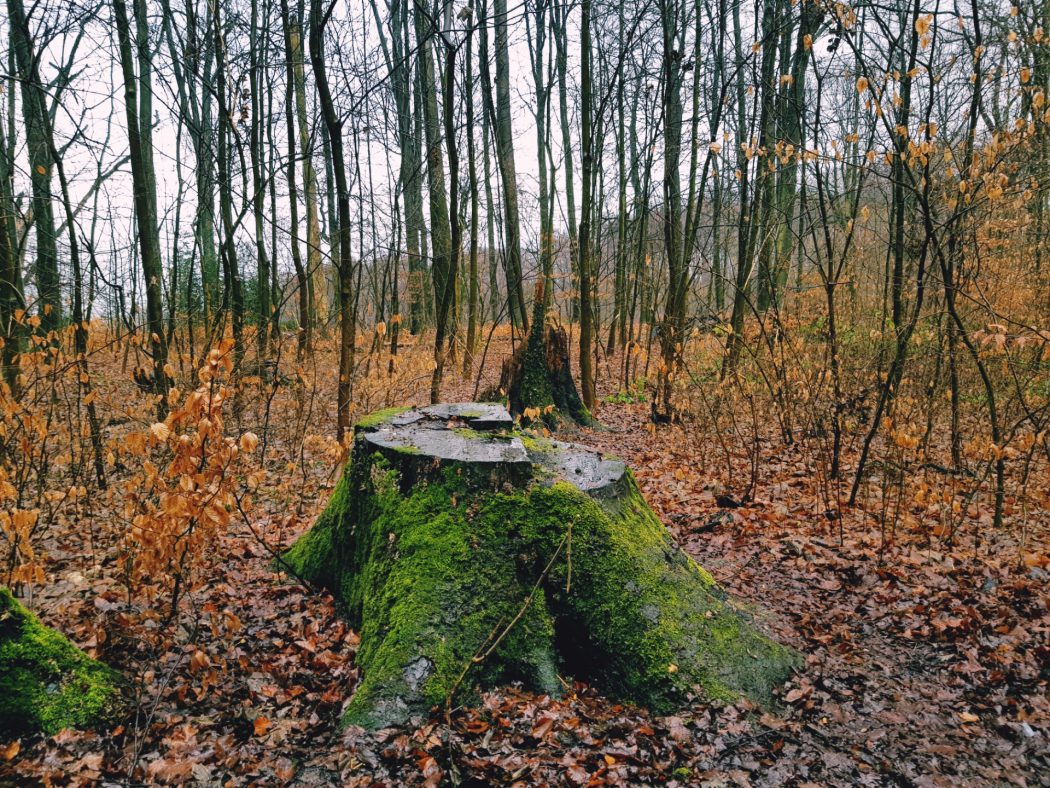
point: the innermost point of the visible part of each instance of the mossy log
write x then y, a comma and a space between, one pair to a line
46, 683
468, 555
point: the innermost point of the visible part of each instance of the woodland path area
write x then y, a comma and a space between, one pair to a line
923, 667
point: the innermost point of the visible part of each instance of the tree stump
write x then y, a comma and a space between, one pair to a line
538, 375
468, 555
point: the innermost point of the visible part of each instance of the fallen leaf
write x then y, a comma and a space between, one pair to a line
261, 725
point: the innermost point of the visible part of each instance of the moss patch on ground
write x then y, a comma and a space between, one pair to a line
433, 575
46, 683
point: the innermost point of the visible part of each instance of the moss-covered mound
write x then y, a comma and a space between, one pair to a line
472, 557
47, 683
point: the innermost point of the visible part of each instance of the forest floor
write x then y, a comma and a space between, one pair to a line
926, 664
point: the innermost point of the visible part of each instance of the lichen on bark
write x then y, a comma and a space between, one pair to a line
461, 575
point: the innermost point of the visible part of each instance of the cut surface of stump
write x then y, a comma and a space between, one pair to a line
469, 554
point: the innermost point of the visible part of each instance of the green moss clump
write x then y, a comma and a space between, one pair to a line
373, 420
432, 586
313, 556
432, 570
535, 443
46, 683
659, 620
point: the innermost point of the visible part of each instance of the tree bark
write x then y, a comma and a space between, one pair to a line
255, 143
292, 50
344, 262
587, 135
508, 171
138, 101
35, 116
12, 297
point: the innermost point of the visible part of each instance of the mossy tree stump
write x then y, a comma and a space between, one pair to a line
47, 683
468, 555
538, 376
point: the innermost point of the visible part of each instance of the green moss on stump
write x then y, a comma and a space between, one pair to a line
46, 683
430, 573
373, 420
535, 389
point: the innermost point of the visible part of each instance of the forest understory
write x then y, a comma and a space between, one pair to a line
787, 259
925, 641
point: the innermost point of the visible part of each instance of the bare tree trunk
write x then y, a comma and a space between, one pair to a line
671, 334
445, 281
233, 295
491, 251
302, 276
618, 322
505, 158
80, 330
138, 94
344, 262
192, 65
255, 142
537, 42
441, 242
561, 15
12, 297
318, 288
586, 312
396, 50
472, 175
41, 163
742, 279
